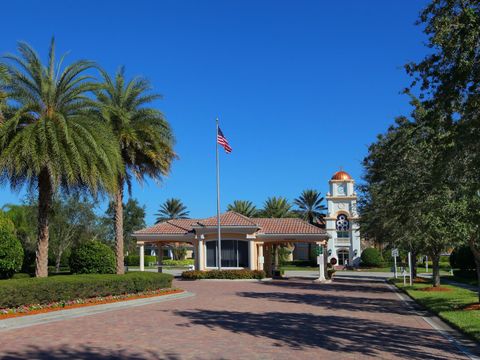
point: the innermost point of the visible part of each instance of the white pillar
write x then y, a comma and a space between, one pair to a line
200, 255
251, 261
261, 259
142, 257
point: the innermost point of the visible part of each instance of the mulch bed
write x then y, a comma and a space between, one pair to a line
435, 289
93, 302
472, 307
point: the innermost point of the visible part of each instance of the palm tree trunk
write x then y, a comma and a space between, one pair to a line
45, 193
119, 228
436, 270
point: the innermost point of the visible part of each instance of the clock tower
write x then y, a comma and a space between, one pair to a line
342, 220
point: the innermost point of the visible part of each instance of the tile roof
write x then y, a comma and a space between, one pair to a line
230, 218
286, 226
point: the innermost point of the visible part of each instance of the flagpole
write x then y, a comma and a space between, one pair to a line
219, 240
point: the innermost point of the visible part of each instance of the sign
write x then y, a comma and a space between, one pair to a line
319, 250
394, 252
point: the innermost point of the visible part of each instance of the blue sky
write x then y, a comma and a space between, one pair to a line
302, 87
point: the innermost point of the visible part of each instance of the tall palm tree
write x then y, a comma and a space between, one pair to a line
143, 136
3, 83
276, 207
172, 209
310, 205
48, 139
243, 207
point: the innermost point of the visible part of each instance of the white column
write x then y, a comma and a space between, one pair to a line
142, 257
251, 261
261, 259
200, 254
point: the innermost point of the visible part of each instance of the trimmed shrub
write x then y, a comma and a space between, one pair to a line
185, 262
18, 292
224, 274
371, 257
92, 257
462, 258
6, 224
11, 253
134, 260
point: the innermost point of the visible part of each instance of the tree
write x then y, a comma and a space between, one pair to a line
25, 228
49, 139
172, 209
243, 207
310, 205
133, 220
143, 136
73, 222
3, 96
276, 207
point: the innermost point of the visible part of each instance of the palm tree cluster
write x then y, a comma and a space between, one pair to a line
309, 206
61, 130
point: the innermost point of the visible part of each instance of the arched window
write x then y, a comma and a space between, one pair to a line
343, 226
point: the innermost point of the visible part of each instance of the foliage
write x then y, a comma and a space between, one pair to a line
24, 218
180, 263
310, 205
49, 139
133, 220
223, 274
179, 252
134, 260
172, 209
11, 252
371, 257
92, 257
243, 207
462, 258
283, 255
276, 207
18, 292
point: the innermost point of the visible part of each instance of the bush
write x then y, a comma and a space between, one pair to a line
19, 292
11, 253
185, 262
223, 274
371, 257
465, 274
92, 257
462, 258
134, 260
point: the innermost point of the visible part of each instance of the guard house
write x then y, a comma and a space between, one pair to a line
246, 242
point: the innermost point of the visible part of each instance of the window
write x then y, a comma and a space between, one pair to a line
342, 223
343, 257
343, 235
234, 253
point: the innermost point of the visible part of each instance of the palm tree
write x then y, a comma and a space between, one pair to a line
310, 205
143, 136
3, 82
172, 209
276, 207
243, 207
48, 139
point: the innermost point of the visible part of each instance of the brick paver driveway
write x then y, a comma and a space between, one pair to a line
350, 319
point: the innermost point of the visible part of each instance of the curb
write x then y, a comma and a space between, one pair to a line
54, 316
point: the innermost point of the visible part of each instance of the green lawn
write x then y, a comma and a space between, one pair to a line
448, 305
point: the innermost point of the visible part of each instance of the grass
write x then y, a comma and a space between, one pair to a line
448, 305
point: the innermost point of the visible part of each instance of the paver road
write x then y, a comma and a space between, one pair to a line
348, 319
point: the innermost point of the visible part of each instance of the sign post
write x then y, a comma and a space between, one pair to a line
394, 255
426, 263
410, 267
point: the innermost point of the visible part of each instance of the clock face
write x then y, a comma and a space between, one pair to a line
341, 189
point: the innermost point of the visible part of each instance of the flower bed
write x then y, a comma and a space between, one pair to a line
15, 293
223, 274
71, 304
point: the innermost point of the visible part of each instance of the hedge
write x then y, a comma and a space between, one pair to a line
185, 262
223, 274
462, 258
18, 292
134, 260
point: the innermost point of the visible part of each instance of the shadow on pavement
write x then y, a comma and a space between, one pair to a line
83, 353
330, 332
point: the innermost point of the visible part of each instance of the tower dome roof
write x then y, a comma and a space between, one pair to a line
341, 175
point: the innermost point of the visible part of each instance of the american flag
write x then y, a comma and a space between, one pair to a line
222, 140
